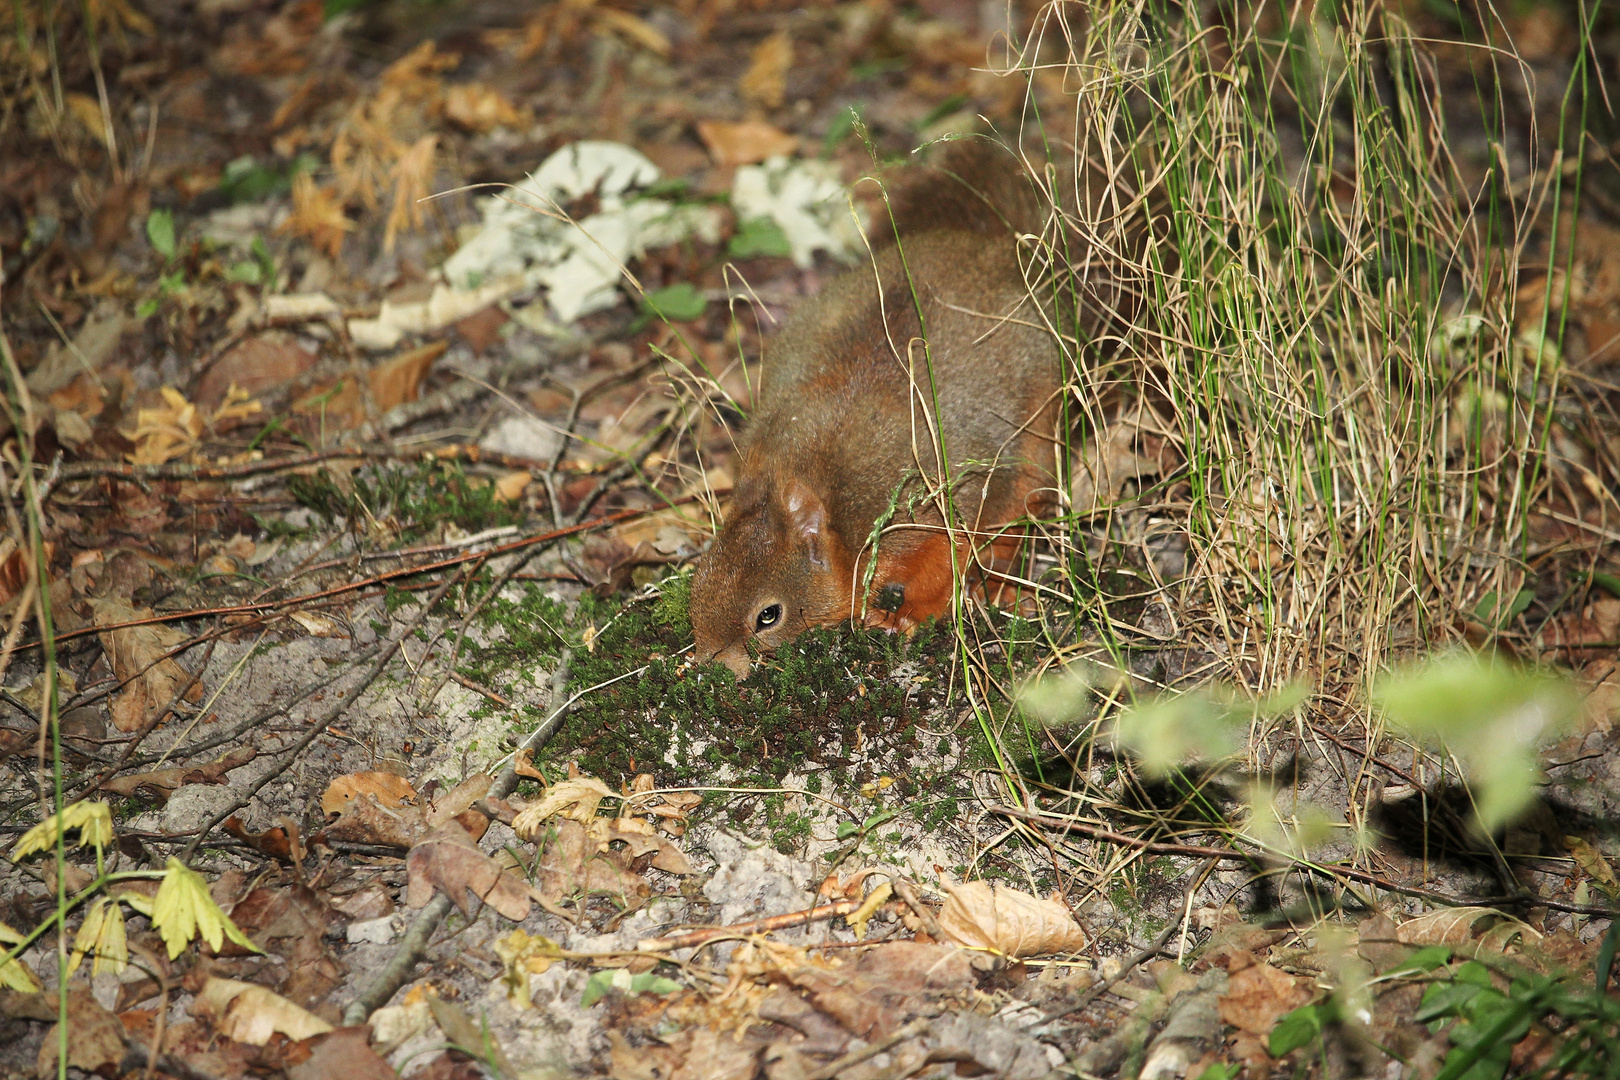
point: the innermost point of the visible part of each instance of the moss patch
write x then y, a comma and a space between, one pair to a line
841, 709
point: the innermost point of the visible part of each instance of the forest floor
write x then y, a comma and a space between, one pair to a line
351, 500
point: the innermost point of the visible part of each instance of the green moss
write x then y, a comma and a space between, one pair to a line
826, 709
410, 502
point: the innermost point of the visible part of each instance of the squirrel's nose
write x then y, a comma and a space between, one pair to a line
735, 658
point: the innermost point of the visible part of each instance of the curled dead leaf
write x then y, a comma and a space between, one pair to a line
252, 1014
984, 915
574, 799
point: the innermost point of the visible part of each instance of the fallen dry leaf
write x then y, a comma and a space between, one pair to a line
446, 859
138, 654
389, 789
1591, 860
1259, 995
413, 177
746, 143
479, 107
366, 821
765, 81
634, 28
96, 1037
345, 1053
1445, 926
984, 915
317, 213
251, 1014
317, 625
574, 799
509, 486
165, 782
458, 799
575, 863
167, 432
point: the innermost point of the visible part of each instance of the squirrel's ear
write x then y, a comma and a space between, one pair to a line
807, 518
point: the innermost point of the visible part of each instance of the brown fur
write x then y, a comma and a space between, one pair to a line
843, 424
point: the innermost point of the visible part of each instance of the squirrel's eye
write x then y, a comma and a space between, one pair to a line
768, 618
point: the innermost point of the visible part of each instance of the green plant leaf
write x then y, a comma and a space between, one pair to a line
649, 982
1444, 999
759, 236
1429, 957
597, 986
680, 302
1605, 956
246, 272
1299, 1028
160, 231
1491, 714
1167, 731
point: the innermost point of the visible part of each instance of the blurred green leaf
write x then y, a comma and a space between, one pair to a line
680, 302
1297, 1029
759, 236
1164, 732
160, 231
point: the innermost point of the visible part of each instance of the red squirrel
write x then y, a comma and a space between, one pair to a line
853, 407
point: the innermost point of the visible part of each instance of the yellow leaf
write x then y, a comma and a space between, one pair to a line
87, 111
183, 910
765, 81
576, 799
92, 819
102, 933
13, 975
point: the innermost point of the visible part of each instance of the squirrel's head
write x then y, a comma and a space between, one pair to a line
774, 571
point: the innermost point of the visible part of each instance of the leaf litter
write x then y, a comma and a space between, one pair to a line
201, 385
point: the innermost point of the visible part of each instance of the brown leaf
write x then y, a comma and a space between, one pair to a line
262, 364
389, 789
413, 176
634, 28
366, 821
479, 107
400, 380
446, 859
96, 1037
276, 842
150, 678
164, 782
1446, 926
747, 142
458, 799
1591, 860
984, 915
509, 487
575, 863
345, 1053
317, 213
1259, 995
